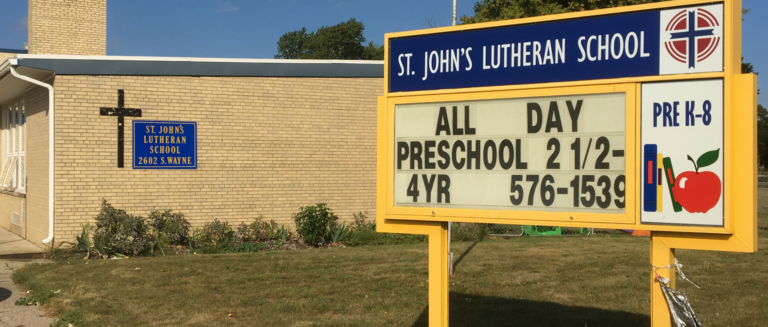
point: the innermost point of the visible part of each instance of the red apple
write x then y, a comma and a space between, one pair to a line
697, 192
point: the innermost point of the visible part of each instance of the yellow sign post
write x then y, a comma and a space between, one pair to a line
626, 118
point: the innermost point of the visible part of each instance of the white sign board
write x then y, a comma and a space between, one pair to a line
682, 153
563, 153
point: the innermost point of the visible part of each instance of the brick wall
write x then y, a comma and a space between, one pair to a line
265, 146
8, 204
68, 27
6, 55
35, 227
36, 108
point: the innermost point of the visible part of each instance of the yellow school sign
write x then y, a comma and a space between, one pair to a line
627, 118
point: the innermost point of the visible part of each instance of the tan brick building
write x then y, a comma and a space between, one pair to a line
271, 135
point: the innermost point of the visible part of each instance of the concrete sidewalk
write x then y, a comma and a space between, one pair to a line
16, 252
11, 245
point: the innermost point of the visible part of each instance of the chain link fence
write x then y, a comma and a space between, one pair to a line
467, 230
462, 232
520, 230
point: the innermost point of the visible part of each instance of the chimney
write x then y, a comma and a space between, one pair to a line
70, 27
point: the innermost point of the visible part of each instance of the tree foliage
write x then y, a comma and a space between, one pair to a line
762, 122
493, 10
341, 41
293, 45
762, 114
747, 67
762, 135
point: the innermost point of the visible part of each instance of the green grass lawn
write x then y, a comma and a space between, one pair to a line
599, 280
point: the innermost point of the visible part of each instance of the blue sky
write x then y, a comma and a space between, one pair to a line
250, 29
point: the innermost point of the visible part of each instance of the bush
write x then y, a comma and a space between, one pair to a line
196, 238
360, 220
218, 237
264, 231
70, 318
214, 237
83, 242
364, 233
244, 234
39, 298
122, 233
468, 232
339, 232
217, 233
313, 223
169, 228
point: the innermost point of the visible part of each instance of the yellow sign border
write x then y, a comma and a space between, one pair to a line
739, 233
630, 86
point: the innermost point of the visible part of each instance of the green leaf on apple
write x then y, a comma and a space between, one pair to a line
708, 158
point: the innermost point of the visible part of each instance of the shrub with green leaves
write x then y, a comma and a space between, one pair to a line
169, 228
70, 318
196, 238
83, 242
217, 233
364, 233
263, 231
468, 232
339, 232
121, 232
39, 298
282, 234
313, 223
218, 237
361, 220
244, 233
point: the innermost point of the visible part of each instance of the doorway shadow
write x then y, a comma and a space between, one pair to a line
472, 310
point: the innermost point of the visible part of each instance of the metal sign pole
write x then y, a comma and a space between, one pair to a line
454, 13
450, 254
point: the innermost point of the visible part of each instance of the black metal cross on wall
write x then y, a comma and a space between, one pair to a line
120, 112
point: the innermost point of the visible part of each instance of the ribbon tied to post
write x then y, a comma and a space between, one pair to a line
678, 267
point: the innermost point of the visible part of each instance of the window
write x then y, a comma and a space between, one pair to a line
14, 173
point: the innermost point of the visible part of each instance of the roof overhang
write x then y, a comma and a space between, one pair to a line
182, 66
42, 67
11, 87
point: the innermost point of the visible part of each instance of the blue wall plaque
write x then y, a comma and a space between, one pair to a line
164, 144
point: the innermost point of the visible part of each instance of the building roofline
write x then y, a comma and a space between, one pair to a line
195, 59
14, 51
4, 66
185, 66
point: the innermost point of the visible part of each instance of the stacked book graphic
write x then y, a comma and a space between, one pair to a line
654, 167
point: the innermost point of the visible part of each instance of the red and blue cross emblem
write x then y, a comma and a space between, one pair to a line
692, 38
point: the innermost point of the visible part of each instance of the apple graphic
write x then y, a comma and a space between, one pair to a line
698, 191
